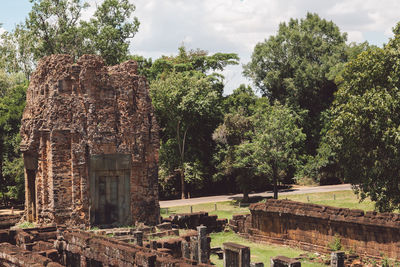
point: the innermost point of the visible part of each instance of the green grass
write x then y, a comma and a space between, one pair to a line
26, 224
258, 252
342, 199
225, 210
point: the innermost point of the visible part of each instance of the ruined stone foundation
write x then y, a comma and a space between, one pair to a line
90, 144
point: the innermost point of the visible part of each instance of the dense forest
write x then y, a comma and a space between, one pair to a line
321, 111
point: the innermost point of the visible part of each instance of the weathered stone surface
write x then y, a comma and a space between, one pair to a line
82, 248
283, 261
314, 227
90, 144
193, 220
236, 255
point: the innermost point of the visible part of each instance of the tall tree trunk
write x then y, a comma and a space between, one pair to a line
245, 196
182, 174
2, 182
182, 157
275, 178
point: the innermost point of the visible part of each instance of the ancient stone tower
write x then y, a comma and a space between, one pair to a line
90, 144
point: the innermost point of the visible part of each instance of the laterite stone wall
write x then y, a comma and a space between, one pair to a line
315, 227
90, 144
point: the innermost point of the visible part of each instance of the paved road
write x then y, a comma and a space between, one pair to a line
293, 191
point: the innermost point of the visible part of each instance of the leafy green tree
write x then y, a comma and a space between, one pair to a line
229, 135
276, 142
12, 103
53, 27
184, 102
234, 130
187, 96
192, 60
109, 31
242, 99
15, 55
365, 128
56, 27
297, 67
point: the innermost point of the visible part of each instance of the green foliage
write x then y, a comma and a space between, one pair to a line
182, 102
12, 103
297, 67
192, 60
187, 99
235, 129
276, 142
336, 243
52, 27
55, 27
108, 32
26, 224
365, 133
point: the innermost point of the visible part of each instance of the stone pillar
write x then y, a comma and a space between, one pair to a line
185, 249
138, 238
194, 248
236, 255
203, 250
337, 259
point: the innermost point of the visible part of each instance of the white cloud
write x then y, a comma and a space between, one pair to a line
238, 25
2, 30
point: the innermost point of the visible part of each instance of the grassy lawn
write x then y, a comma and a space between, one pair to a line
263, 252
224, 209
343, 199
258, 252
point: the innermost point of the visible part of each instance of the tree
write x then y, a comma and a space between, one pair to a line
194, 102
183, 101
229, 135
296, 67
276, 142
236, 128
365, 127
12, 103
56, 27
53, 27
192, 60
109, 31
15, 55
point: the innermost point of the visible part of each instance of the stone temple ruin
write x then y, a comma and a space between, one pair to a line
90, 144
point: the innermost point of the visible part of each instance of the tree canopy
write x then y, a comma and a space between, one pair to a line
56, 27
276, 142
365, 125
297, 67
12, 103
188, 104
235, 129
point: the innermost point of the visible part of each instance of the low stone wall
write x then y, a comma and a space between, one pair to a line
192, 220
9, 220
29, 247
315, 227
59, 246
79, 248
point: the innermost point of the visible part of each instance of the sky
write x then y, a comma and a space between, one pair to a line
233, 26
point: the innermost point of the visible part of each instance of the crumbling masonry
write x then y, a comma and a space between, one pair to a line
90, 144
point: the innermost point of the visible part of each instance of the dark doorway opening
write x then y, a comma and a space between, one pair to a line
31, 205
110, 190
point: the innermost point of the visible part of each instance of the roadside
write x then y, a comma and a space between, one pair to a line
292, 191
